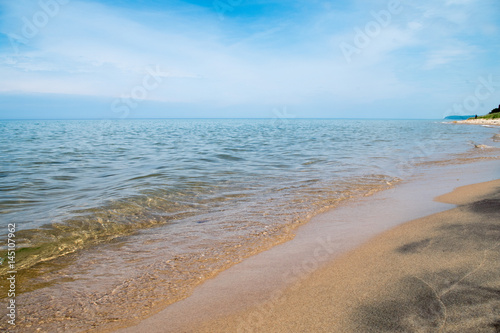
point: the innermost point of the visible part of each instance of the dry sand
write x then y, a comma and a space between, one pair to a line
494, 122
440, 273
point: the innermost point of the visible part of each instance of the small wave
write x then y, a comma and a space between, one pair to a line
65, 178
229, 157
93, 226
209, 160
152, 175
483, 146
315, 161
56, 240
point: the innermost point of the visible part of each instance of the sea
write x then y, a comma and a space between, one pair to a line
134, 213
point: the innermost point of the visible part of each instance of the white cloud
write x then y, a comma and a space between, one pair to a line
459, 2
91, 49
444, 56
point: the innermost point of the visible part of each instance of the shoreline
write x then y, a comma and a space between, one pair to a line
492, 122
263, 278
437, 273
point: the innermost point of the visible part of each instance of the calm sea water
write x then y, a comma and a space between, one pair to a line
197, 192
107, 177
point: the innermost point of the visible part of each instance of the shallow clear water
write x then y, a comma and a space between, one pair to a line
111, 177
185, 198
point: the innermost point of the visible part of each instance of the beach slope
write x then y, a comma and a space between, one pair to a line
440, 273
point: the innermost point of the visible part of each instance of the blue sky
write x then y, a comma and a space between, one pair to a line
243, 58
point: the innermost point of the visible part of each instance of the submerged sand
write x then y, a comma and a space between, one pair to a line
440, 273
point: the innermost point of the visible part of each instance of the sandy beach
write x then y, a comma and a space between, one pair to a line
493, 122
435, 274
438, 272
249, 166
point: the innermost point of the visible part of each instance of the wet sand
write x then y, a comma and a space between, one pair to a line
438, 271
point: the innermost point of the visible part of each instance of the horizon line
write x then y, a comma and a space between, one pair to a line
225, 118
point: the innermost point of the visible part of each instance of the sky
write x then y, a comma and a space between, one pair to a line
248, 58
